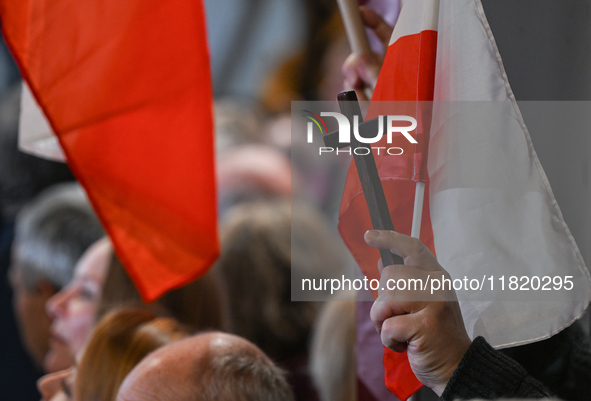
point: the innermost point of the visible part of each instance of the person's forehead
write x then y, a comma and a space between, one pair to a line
170, 358
166, 369
166, 362
145, 381
134, 393
95, 261
165, 374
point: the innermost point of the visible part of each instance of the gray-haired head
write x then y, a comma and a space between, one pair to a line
210, 366
51, 234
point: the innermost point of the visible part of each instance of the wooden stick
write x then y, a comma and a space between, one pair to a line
370, 180
355, 32
354, 26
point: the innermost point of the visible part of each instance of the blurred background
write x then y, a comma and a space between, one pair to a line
267, 53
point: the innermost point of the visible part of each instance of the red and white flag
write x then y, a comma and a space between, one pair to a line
126, 87
488, 209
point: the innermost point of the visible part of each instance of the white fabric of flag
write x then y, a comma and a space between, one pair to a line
35, 135
491, 206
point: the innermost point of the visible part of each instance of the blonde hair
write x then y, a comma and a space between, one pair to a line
332, 358
118, 342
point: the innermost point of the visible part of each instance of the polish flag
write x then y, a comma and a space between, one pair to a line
126, 88
488, 209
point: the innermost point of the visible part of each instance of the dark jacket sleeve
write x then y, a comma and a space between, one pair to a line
487, 373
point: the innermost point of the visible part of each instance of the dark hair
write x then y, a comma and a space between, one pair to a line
256, 264
200, 305
299, 76
51, 234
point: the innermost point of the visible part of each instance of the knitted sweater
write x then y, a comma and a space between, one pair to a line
562, 362
487, 373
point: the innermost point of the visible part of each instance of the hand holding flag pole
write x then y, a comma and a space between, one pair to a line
399, 377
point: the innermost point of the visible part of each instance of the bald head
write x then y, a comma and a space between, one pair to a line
206, 367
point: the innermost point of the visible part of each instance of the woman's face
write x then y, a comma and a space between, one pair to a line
57, 386
73, 308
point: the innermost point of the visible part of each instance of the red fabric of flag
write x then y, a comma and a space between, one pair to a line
126, 88
408, 74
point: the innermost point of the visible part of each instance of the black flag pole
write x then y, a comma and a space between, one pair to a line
367, 170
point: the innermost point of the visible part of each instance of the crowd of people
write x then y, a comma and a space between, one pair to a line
235, 333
